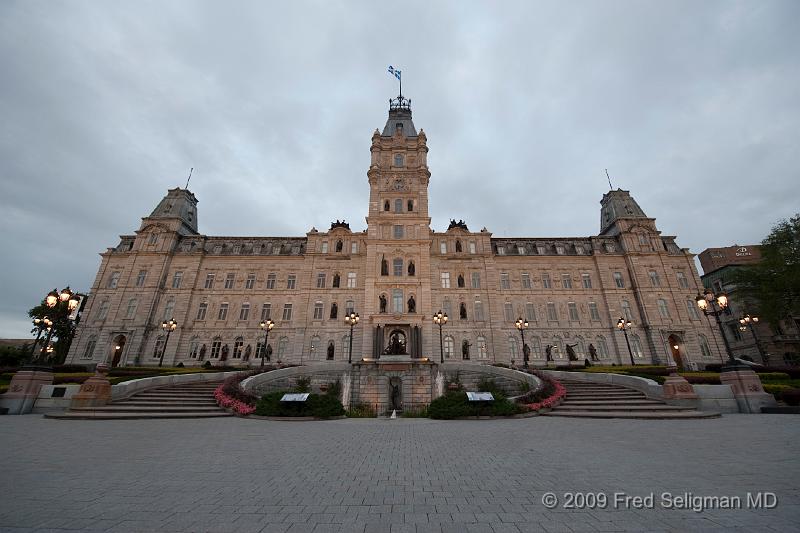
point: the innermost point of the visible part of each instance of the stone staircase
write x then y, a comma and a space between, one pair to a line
178, 401
601, 400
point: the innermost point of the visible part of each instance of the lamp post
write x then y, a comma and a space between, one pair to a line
440, 319
750, 321
718, 303
351, 320
521, 325
169, 326
267, 326
54, 298
624, 325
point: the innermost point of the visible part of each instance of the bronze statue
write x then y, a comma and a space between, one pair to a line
384, 266
330, 351
269, 352
412, 305
336, 281
526, 352
225, 352
411, 268
465, 349
548, 352
383, 303
462, 311
247, 352
571, 352
395, 394
458, 246
202, 352
460, 281
396, 346
339, 245
334, 310
593, 352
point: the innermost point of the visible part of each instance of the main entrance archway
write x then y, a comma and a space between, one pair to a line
675, 346
117, 347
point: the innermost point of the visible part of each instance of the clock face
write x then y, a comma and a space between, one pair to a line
398, 184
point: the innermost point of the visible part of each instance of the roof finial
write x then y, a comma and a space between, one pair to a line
189, 178
610, 187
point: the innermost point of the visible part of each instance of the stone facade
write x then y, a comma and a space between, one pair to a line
396, 274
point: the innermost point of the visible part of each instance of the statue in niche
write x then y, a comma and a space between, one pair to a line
462, 311
396, 346
412, 304
384, 266
331, 349
334, 310
225, 350
460, 281
202, 353
548, 352
593, 352
336, 281
386, 205
339, 245
458, 246
383, 303
247, 352
571, 352
465, 349
268, 353
526, 353
411, 268
395, 393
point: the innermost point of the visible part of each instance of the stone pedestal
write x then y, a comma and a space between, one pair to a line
676, 387
95, 391
24, 389
747, 389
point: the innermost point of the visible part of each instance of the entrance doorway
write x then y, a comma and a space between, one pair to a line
117, 346
675, 345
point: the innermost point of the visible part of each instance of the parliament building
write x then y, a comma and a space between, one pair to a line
399, 272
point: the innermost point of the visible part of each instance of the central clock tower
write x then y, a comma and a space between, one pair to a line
398, 275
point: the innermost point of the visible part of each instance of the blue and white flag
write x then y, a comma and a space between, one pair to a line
395, 72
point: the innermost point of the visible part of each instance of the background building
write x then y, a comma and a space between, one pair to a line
396, 274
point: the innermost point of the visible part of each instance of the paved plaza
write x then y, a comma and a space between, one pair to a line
403, 475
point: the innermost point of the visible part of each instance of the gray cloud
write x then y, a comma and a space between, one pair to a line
104, 105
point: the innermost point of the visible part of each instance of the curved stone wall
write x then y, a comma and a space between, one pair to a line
321, 374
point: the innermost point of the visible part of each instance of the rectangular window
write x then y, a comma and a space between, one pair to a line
102, 312
735, 333
349, 307
683, 283
229, 278
540, 249
250, 282
594, 314
397, 267
398, 232
177, 278
472, 247
655, 281
113, 281
354, 247
443, 247
325, 247
351, 280
445, 276
210, 280
579, 249
566, 281
526, 280
530, 312
153, 238
266, 311
559, 249
397, 300
546, 283
271, 279
131, 312
398, 205
201, 311
508, 312
276, 249
140, 278
478, 309
476, 280
244, 312
573, 311
618, 281
287, 312
318, 311
291, 281
587, 281
663, 310
447, 308
505, 283
626, 311
223, 312
691, 305
321, 280
552, 315
501, 249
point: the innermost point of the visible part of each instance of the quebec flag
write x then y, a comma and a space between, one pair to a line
396, 73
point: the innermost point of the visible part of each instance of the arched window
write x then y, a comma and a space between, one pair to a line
88, 352
461, 281
237, 347
194, 347
482, 351
314, 347
706, 351
580, 349
349, 307
169, 309
216, 346
410, 206
602, 348
536, 347
398, 205
339, 245
397, 300
346, 344
397, 267
636, 346
336, 280
283, 347
458, 245
513, 348
159, 346
449, 347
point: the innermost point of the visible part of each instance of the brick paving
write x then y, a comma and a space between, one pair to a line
403, 475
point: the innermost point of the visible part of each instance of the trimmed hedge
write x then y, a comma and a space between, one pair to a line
317, 405
454, 404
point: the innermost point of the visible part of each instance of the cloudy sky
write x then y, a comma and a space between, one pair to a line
693, 106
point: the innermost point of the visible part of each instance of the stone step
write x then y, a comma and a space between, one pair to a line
166, 408
102, 415
151, 403
658, 415
612, 402
175, 397
637, 396
604, 407
596, 389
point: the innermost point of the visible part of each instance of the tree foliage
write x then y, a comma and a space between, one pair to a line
775, 281
63, 329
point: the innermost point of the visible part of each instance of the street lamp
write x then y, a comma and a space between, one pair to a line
718, 303
267, 326
440, 319
351, 320
521, 325
47, 324
750, 321
169, 326
624, 325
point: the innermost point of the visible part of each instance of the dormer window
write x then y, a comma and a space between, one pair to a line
398, 128
398, 158
153, 238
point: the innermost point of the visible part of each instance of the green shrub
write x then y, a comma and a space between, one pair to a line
773, 376
416, 412
317, 405
207, 364
360, 410
454, 404
776, 390
303, 384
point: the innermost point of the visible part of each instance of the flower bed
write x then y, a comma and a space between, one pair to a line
230, 395
555, 394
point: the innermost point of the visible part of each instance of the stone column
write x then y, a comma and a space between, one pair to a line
24, 388
747, 389
95, 391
